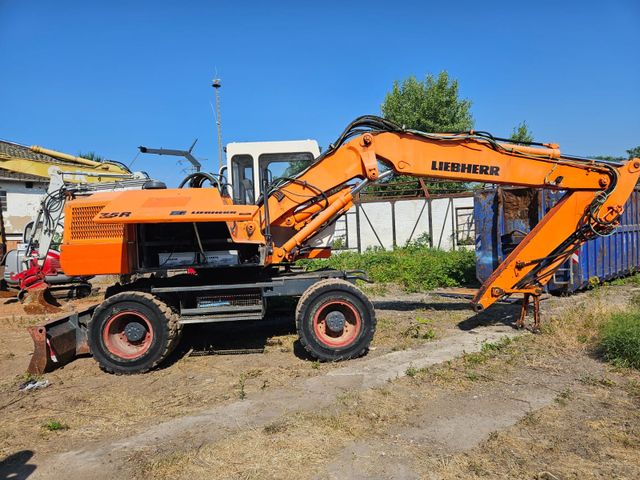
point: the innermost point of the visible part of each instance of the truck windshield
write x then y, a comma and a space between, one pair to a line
276, 165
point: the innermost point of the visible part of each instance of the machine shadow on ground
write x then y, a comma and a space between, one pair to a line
506, 313
232, 338
237, 338
16, 466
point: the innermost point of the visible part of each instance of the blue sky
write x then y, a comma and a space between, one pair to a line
107, 76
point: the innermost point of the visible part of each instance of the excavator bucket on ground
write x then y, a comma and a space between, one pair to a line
59, 341
39, 301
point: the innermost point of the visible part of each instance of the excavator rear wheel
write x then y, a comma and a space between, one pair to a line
132, 332
335, 321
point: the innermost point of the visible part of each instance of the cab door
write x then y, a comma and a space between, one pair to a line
242, 175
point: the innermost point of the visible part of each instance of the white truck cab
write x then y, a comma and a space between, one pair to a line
250, 163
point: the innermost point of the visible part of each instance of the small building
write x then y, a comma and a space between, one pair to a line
20, 193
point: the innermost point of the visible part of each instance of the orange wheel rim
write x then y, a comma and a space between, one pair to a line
128, 335
337, 323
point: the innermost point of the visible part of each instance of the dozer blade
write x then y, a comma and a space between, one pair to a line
38, 301
59, 341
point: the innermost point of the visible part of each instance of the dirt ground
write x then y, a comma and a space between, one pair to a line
541, 406
92, 403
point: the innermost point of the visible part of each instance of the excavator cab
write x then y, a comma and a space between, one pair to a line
252, 163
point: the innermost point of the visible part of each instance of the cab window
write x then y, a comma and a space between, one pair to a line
276, 165
242, 179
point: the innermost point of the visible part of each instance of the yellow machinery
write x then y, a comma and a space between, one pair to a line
41, 162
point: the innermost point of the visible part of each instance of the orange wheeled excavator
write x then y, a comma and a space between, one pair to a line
202, 258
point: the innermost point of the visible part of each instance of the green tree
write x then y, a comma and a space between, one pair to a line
430, 106
634, 152
92, 156
522, 134
295, 168
609, 158
433, 105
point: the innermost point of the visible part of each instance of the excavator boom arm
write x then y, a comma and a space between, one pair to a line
295, 209
596, 193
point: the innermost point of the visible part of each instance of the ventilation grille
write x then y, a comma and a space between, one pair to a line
84, 228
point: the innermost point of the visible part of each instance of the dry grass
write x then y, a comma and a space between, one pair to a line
595, 435
592, 431
252, 454
576, 327
375, 289
593, 427
289, 448
412, 329
281, 343
98, 405
95, 404
311, 439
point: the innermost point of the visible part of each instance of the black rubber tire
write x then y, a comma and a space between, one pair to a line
164, 322
317, 295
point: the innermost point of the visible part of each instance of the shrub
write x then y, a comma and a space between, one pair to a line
55, 425
415, 267
620, 340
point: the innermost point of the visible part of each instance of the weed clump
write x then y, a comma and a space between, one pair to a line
411, 371
415, 267
421, 329
620, 340
55, 426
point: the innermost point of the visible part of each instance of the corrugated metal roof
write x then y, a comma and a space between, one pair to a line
21, 177
10, 150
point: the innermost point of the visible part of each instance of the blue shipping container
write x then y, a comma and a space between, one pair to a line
503, 216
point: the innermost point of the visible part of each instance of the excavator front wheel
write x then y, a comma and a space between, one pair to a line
335, 321
132, 332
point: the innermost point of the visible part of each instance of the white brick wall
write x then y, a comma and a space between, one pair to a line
22, 205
